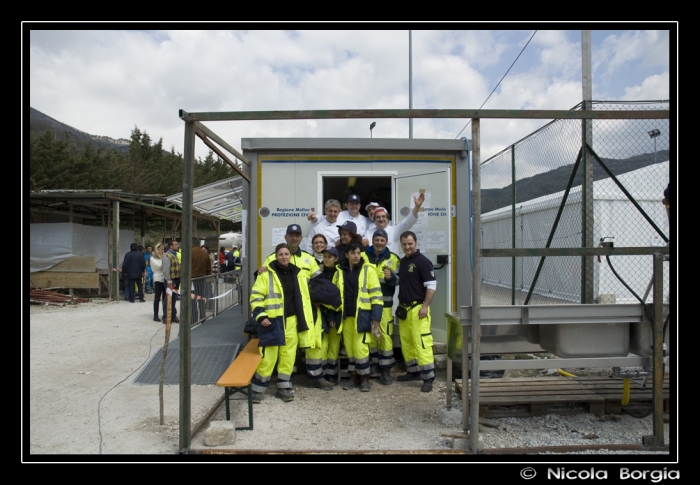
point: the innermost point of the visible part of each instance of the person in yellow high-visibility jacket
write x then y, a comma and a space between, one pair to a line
361, 308
281, 304
386, 264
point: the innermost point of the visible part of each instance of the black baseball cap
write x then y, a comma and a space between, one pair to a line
353, 198
348, 226
381, 233
293, 228
332, 250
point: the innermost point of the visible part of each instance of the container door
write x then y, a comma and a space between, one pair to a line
434, 233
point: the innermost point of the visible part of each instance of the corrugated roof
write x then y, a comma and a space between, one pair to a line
223, 199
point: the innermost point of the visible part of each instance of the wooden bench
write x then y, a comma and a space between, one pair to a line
238, 376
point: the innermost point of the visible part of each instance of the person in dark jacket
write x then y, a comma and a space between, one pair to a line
325, 298
330, 343
134, 269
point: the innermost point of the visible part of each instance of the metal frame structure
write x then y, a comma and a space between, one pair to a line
111, 207
193, 127
221, 199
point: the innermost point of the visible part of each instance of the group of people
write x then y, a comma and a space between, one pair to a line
164, 264
343, 290
230, 260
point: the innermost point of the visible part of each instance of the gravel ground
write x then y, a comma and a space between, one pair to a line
83, 359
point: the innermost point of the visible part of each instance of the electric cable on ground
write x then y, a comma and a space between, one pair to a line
99, 428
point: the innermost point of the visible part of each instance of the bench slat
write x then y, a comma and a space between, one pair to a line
241, 370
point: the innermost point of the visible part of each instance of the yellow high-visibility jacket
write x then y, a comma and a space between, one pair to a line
267, 301
368, 305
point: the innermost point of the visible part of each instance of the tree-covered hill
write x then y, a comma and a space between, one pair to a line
62, 157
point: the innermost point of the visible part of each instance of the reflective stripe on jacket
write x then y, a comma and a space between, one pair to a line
369, 302
267, 301
386, 259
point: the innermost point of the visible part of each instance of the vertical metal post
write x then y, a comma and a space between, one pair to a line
185, 288
114, 275
476, 285
658, 356
465, 378
464, 261
143, 227
410, 82
512, 224
587, 199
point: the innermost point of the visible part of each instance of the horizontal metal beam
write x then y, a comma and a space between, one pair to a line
535, 252
547, 114
585, 362
553, 314
61, 212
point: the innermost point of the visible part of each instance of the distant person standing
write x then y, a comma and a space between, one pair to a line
417, 285
171, 275
201, 267
222, 259
666, 201
149, 272
236, 258
156, 264
134, 268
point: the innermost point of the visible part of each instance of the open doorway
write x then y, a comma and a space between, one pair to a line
370, 189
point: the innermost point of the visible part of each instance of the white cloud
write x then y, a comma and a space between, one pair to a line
651, 47
652, 88
106, 82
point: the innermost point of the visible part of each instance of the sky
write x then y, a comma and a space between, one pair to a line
107, 82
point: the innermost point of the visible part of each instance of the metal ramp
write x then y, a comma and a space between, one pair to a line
215, 344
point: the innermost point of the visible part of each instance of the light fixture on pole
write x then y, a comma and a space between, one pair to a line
654, 134
371, 127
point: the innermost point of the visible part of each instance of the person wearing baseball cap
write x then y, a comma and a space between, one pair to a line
386, 265
330, 343
302, 259
348, 233
331, 250
353, 214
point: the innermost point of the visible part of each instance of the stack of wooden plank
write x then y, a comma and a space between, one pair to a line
47, 297
532, 396
75, 272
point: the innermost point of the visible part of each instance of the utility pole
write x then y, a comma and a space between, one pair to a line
410, 82
587, 167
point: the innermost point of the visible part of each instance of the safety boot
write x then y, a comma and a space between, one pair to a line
427, 386
322, 384
385, 377
256, 397
285, 395
352, 383
364, 384
408, 377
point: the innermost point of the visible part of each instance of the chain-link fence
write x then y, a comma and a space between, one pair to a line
533, 195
